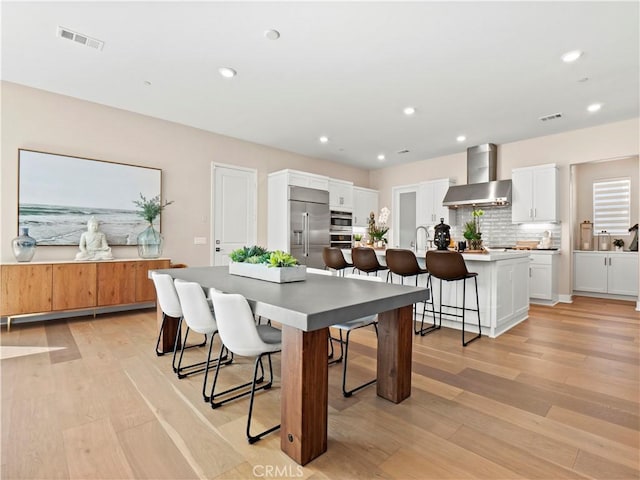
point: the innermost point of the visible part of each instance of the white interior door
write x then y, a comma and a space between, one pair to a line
405, 215
234, 210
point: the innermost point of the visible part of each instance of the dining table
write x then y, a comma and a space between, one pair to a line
305, 310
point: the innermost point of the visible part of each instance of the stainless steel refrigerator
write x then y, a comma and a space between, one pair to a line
309, 231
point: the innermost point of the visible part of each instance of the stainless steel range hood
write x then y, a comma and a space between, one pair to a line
482, 188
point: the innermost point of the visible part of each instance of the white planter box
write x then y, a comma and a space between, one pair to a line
270, 274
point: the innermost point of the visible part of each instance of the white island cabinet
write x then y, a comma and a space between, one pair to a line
503, 290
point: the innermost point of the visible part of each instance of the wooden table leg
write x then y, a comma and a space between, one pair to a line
168, 337
395, 337
303, 434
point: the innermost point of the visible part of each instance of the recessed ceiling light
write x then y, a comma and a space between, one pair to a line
381, 157
324, 139
571, 56
460, 138
409, 110
227, 72
594, 107
272, 34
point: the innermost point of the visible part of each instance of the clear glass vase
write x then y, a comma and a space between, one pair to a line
150, 243
24, 246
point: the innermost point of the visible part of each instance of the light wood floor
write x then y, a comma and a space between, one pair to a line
556, 397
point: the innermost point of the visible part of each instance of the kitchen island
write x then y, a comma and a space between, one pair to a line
503, 290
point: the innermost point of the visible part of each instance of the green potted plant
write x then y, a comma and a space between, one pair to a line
472, 230
618, 243
254, 254
150, 240
262, 264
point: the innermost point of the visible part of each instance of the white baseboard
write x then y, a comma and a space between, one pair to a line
565, 298
537, 301
638, 306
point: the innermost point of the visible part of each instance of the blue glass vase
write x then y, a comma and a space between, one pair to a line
24, 246
150, 243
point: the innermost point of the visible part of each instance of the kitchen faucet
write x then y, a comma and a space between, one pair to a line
426, 232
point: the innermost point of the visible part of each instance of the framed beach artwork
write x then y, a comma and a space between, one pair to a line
58, 194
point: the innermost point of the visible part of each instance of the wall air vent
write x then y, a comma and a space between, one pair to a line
553, 116
80, 38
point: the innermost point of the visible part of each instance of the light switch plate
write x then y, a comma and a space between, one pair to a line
199, 240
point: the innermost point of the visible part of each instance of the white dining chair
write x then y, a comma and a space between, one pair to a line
170, 306
349, 327
241, 336
199, 318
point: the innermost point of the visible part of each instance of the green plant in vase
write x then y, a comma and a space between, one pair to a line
282, 259
259, 263
378, 231
150, 241
472, 230
254, 254
261, 256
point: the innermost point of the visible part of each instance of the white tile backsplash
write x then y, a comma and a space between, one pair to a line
497, 229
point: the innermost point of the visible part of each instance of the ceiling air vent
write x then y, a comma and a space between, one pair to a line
80, 38
403, 151
553, 116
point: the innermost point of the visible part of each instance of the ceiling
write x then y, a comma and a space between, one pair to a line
486, 70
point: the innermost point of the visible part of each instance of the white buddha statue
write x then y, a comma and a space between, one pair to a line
93, 244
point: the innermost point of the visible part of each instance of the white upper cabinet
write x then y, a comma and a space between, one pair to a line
365, 201
430, 197
535, 197
340, 195
304, 179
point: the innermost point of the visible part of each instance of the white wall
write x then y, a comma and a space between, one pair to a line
39, 120
614, 140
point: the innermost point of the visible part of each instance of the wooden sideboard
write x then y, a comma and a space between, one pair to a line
31, 288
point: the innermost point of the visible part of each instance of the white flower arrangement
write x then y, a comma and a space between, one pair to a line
377, 232
384, 216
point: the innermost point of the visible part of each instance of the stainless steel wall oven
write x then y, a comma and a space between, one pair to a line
341, 229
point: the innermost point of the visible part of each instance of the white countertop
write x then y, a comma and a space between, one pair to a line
608, 252
495, 256
492, 256
541, 251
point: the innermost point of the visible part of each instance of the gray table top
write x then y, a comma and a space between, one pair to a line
317, 302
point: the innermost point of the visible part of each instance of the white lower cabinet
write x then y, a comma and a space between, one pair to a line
543, 277
614, 273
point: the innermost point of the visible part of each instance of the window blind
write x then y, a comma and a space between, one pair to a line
611, 205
